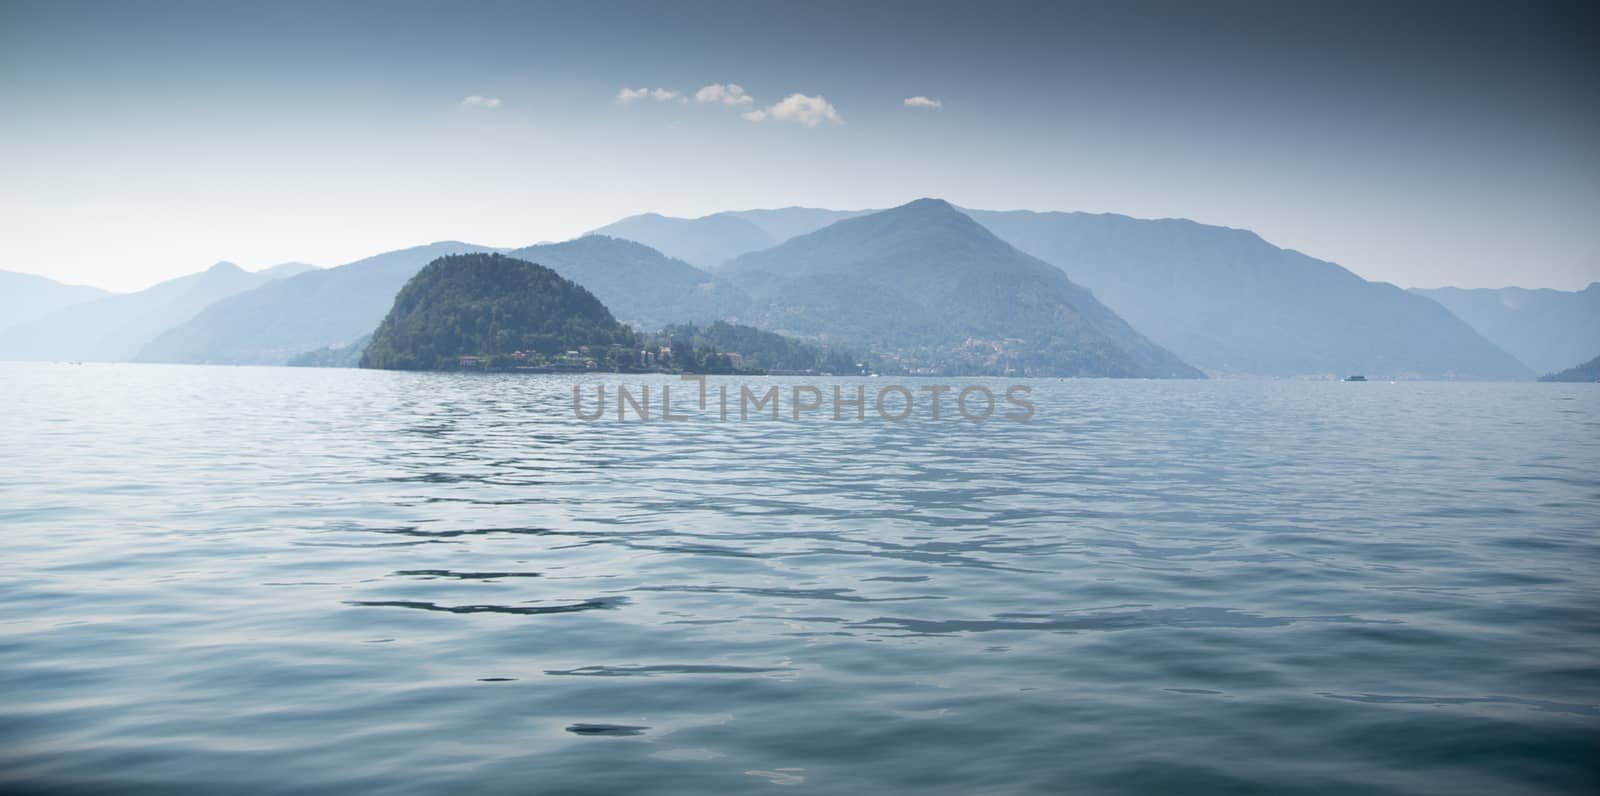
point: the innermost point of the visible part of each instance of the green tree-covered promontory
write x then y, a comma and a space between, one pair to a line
497, 309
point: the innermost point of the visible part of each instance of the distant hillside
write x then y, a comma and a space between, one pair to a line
710, 241
345, 356
705, 242
115, 327
1229, 302
286, 270
783, 223
25, 297
927, 287
1588, 371
759, 349
303, 313
1546, 329
489, 306
640, 285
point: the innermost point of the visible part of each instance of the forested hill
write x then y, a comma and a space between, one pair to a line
492, 307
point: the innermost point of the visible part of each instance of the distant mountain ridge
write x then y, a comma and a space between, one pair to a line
313, 310
114, 327
641, 285
709, 241
926, 286
1221, 298
1547, 329
1232, 303
26, 297
332, 308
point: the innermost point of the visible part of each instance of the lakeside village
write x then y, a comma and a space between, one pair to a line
718, 349
684, 357
672, 357
610, 359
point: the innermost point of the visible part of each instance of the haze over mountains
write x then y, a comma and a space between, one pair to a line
334, 307
314, 310
1549, 330
1230, 302
710, 241
24, 297
112, 328
641, 285
1222, 299
933, 287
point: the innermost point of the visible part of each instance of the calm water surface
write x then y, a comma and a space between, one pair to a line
278, 580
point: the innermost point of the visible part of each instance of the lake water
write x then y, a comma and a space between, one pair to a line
253, 580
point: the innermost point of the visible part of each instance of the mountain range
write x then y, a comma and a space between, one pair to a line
113, 327
1232, 303
927, 285
1547, 329
1222, 299
709, 241
313, 310
333, 307
966, 301
643, 286
24, 297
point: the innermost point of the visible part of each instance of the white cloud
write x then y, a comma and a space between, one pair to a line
476, 101
801, 109
628, 95
724, 93
920, 101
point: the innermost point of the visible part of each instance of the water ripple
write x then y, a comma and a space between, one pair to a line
1216, 587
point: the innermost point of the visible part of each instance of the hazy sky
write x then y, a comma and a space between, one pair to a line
1422, 144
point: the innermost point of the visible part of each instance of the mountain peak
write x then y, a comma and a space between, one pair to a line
926, 205
932, 212
225, 267
923, 223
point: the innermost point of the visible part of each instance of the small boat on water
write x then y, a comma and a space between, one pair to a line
1355, 378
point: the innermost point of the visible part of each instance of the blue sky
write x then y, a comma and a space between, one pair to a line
1422, 144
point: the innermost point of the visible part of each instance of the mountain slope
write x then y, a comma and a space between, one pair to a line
705, 242
1588, 371
489, 306
710, 241
286, 270
925, 285
1546, 329
25, 297
114, 328
640, 285
783, 223
1230, 302
306, 312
